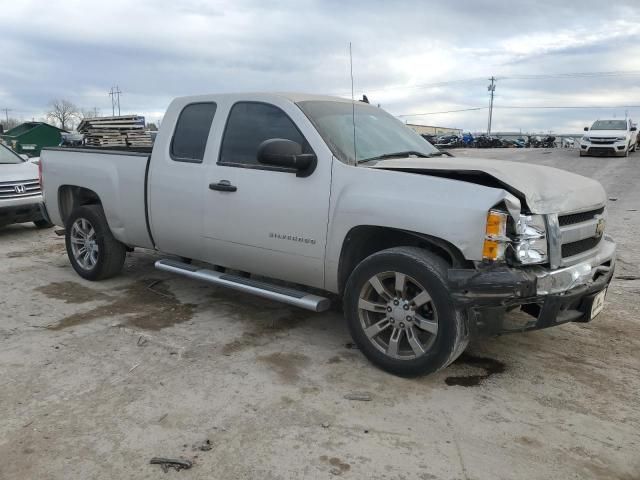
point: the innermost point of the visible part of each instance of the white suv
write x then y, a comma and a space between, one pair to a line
609, 137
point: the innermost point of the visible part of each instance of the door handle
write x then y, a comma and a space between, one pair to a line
223, 186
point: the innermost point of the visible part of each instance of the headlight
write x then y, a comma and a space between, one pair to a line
585, 139
621, 139
530, 244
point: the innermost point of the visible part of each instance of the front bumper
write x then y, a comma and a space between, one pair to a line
618, 149
542, 297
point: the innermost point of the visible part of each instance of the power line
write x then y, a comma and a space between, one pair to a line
524, 107
447, 111
492, 89
6, 113
115, 100
617, 73
568, 106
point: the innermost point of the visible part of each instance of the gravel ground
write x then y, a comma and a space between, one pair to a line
98, 378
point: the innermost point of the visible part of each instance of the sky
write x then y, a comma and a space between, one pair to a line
411, 57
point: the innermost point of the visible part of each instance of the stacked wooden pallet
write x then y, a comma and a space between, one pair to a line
141, 138
121, 131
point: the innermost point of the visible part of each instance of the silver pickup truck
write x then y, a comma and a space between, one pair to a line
298, 198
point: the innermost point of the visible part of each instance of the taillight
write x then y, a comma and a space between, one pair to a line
40, 172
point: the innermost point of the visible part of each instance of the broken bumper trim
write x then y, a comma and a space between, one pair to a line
545, 298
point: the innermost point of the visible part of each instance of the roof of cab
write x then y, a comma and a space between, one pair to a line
295, 97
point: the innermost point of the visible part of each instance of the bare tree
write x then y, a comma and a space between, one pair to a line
93, 113
12, 122
62, 112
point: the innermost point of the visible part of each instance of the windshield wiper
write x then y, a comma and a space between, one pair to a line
406, 153
440, 153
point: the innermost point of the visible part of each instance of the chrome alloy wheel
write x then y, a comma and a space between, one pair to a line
397, 315
83, 243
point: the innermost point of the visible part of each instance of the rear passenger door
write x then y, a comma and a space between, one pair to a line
271, 222
177, 181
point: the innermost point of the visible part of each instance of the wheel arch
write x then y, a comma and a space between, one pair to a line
364, 240
72, 196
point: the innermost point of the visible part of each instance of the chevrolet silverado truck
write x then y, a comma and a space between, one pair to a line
305, 199
20, 194
610, 137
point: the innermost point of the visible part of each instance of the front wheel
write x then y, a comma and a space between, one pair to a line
93, 251
400, 313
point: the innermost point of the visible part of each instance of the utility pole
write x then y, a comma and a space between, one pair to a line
6, 114
115, 100
491, 88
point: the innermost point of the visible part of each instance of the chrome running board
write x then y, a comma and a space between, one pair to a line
259, 288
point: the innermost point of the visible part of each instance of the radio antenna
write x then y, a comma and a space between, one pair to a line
353, 108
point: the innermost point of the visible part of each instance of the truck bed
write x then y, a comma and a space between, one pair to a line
117, 176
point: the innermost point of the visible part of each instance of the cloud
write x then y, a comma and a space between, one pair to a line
156, 50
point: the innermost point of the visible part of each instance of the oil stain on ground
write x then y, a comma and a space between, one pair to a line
144, 308
286, 365
265, 320
489, 365
71, 292
339, 466
38, 251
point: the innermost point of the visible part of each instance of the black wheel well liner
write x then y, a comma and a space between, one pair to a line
365, 240
71, 196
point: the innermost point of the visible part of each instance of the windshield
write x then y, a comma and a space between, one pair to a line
376, 132
609, 125
7, 156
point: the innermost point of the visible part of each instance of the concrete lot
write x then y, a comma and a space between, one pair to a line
98, 378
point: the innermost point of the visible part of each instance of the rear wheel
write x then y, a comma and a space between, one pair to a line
400, 313
93, 251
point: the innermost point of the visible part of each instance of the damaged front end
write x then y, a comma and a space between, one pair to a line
502, 299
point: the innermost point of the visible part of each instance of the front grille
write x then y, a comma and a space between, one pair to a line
603, 141
584, 245
602, 150
22, 189
579, 233
574, 218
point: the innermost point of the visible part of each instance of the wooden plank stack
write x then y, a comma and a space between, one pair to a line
122, 131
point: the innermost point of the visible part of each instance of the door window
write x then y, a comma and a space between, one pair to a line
251, 123
192, 130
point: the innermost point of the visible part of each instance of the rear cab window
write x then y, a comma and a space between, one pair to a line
192, 131
248, 125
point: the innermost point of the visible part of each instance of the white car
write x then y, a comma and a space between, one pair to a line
20, 193
610, 137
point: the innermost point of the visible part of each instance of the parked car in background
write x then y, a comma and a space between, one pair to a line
20, 193
610, 137
339, 197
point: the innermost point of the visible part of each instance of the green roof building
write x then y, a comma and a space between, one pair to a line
31, 137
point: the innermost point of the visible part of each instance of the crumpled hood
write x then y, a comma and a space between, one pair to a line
18, 172
543, 189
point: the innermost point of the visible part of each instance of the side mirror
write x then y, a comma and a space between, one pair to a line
633, 129
586, 129
281, 152
24, 156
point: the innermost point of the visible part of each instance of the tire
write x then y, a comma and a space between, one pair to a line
107, 254
42, 223
439, 328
